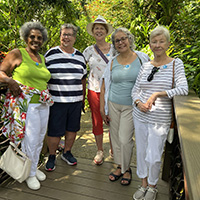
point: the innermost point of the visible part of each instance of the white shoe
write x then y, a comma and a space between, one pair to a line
140, 193
98, 159
151, 193
33, 183
40, 175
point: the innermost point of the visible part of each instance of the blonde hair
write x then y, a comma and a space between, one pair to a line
160, 30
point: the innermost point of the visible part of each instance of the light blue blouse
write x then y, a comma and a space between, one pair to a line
123, 78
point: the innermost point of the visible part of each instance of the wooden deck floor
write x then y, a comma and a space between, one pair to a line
85, 181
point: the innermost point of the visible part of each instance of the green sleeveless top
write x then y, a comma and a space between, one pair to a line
32, 74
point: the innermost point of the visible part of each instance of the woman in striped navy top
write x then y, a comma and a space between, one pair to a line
152, 109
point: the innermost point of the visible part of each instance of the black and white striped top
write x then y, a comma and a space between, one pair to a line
67, 71
162, 81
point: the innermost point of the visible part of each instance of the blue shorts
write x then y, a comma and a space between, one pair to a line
64, 117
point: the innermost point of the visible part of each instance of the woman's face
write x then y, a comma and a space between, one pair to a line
159, 45
99, 32
67, 38
121, 42
35, 40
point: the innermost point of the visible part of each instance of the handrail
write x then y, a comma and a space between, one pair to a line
187, 113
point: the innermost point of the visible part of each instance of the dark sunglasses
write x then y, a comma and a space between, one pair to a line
153, 71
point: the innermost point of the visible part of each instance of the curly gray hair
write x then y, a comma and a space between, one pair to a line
28, 26
129, 35
69, 26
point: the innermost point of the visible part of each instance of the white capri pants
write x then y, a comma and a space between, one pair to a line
121, 133
150, 141
36, 126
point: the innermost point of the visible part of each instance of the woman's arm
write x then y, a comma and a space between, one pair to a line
12, 60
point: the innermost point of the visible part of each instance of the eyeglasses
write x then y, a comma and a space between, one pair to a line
67, 35
153, 71
117, 41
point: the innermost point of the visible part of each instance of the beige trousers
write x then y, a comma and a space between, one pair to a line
121, 132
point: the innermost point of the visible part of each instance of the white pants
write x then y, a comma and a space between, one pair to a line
150, 142
36, 125
121, 133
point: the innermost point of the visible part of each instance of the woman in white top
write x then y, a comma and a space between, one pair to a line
99, 29
152, 109
116, 102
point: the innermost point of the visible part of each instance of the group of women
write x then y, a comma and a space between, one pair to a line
126, 90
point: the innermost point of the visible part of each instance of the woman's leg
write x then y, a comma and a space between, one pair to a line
36, 124
126, 136
156, 142
114, 114
97, 122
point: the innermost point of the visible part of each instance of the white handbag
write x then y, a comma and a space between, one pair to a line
15, 163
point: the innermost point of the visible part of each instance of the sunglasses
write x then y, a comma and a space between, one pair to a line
153, 71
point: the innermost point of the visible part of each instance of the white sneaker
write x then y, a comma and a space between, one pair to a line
33, 183
98, 159
140, 193
40, 175
151, 193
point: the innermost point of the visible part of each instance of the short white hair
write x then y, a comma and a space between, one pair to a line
160, 30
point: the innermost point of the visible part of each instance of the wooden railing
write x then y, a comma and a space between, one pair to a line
182, 158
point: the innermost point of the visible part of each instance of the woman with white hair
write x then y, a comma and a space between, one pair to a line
27, 97
116, 102
152, 109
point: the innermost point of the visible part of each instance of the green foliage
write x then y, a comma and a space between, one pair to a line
50, 13
139, 16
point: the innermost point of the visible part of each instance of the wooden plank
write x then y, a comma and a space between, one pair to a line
84, 181
187, 110
16, 194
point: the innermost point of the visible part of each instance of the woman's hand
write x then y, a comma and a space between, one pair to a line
153, 97
105, 117
151, 100
142, 107
14, 87
106, 120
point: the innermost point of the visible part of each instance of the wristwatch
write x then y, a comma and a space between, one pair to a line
137, 102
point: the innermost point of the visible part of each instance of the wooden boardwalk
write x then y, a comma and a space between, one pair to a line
84, 181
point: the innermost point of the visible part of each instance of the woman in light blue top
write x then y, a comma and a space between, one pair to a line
116, 102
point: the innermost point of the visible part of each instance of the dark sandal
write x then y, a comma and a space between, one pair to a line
116, 177
127, 179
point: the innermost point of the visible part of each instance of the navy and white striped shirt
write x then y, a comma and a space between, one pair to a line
67, 71
162, 81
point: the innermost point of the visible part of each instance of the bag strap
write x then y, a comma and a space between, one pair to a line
18, 150
173, 74
101, 54
172, 88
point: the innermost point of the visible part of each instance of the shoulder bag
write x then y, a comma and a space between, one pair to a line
15, 163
